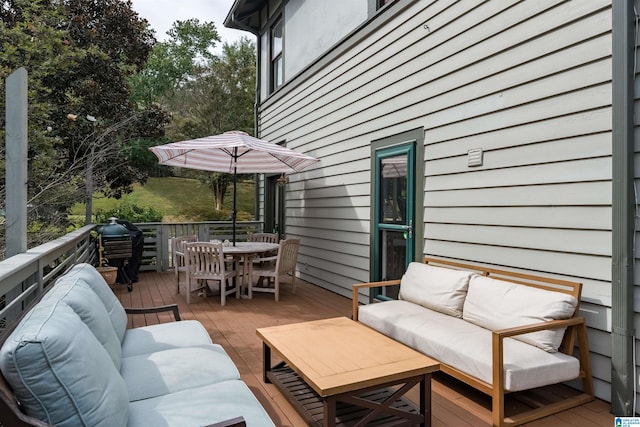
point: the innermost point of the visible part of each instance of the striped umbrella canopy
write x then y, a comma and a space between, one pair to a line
232, 152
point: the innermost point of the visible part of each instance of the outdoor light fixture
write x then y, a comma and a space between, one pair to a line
283, 180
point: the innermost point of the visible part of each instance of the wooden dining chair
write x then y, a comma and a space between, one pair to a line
205, 262
177, 253
270, 274
264, 237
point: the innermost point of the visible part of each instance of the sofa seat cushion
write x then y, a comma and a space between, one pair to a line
91, 276
60, 372
169, 371
200, 406
440, 289
164, 336
83, 300
466, 346
499, 304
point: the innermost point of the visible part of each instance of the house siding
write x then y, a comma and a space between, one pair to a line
528, 82
636, 169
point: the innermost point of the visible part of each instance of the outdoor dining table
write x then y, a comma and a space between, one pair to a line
243, 252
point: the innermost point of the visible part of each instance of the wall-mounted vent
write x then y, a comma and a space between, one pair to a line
474, 157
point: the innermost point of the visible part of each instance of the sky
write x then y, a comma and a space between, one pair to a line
161, 15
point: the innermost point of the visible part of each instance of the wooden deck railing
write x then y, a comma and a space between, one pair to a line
24, 276
157, 238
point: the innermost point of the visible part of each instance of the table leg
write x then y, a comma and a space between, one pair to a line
249, 276
329, 404
240, 265
266, 360
425, 399
244, 265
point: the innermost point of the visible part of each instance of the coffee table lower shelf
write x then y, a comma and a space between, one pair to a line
310, 405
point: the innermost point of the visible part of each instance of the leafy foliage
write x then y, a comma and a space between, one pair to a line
131, 213
219, 100
174, 63
101, 91
206, 94
79, 54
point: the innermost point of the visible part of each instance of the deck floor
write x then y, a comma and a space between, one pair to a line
233, 326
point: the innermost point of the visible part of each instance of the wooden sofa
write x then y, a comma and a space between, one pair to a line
70, 360
496, 330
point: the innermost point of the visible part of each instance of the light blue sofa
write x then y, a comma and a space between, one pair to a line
72, 362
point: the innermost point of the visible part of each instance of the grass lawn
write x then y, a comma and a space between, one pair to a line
177, 198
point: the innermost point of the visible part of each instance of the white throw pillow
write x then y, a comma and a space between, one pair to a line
498, 304
437, 288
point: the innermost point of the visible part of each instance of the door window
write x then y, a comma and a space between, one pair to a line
394, 202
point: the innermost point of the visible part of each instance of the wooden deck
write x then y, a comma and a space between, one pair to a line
233, 326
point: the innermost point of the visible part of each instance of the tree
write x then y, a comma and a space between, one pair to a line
175, 62
79, 54
206, 94
221, 99
171, 65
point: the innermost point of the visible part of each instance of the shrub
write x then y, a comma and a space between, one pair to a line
194, 213
129, 212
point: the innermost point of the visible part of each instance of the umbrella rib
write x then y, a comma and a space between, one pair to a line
179, 155
283, 161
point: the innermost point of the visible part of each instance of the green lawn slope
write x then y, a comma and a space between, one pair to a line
178, 199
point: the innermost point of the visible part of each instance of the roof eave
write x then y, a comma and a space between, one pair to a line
245, 15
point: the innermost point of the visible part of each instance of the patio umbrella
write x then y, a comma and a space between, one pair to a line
232, 152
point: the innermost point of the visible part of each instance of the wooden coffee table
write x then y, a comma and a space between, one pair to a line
341, 360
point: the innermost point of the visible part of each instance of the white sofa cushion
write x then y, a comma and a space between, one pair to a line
84, 301
60, 372
169, 371
466, 346
437, 288
92, 277
200, 406
499, 304
164, 336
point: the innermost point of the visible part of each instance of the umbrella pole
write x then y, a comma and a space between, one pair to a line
235, 185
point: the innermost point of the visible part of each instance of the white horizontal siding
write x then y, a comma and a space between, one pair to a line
472, 47
566, 103
547, 239
555, 128
598, 169
559, 217
576, 194
557, 150
322, 224
594, 267
599, 319
528, 82
636, 169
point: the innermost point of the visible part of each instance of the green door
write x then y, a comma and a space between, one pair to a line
274, 218
393, 211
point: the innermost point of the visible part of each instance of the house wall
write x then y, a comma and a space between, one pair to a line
528, 82
636, 279
309, 33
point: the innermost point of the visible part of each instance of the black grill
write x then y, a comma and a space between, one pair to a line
117, 247
118, 253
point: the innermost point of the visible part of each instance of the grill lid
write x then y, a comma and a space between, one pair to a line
113, 229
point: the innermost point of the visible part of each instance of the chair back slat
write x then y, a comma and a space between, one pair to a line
180, 242
264, 237
205, 260
287, 255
